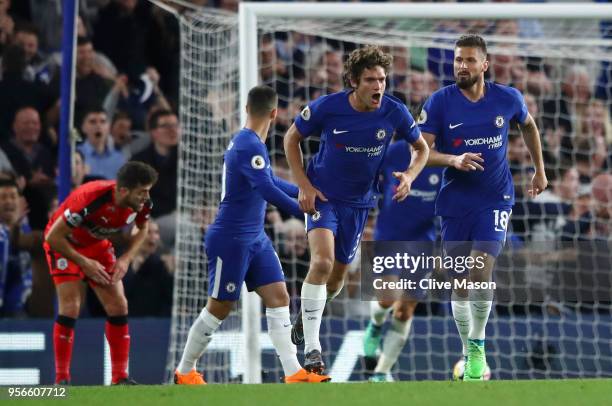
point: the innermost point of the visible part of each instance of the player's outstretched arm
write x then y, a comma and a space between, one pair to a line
419, 159
137, 237
275, 196
255, 166
289, 188
466, 162
531, 135
307, 193
58, 241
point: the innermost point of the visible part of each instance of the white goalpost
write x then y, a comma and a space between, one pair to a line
283, 45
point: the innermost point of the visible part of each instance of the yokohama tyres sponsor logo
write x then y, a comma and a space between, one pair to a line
492, 142
425, 195
371, 151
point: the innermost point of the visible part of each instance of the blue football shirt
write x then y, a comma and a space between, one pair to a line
461, 126
412, 219
353, 144
247, 185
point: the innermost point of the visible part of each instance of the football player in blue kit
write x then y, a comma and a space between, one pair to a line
401, 227
338, 189
239, 251
468, 122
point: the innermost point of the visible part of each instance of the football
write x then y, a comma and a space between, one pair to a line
459, 369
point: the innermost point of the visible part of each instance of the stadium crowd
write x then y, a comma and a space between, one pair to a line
126, 108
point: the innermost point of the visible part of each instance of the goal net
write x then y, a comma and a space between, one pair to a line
553, 317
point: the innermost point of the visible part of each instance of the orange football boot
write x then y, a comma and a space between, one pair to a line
303, 376
191, 378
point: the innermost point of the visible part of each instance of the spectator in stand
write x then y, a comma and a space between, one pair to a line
26, 36
561, 113
47, 16
102, 64
28, 156
136, 97
102, 159
124, 139
148, 282
518, 154
16, 92
500, 65
602, 199
162, 155
121, 33
548, 212
121, 133
273, 70
551, 138
16, 270
595, 122
333, 66
588, 278
164, 52
590, 156
80, 170
7, 25
422, 85
413, 88
91, 86
536, 80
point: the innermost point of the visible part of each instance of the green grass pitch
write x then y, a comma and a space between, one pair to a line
589, 392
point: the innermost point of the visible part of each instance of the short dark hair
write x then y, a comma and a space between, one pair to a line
153, 121
27, 28
120, 115
261, 100
583, 151
134, 174
9, 182
83, 41
472, 41
367, 57
92, 110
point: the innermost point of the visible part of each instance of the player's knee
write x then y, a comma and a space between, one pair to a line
118, 307
219, 308
280, 299
321, 264
70, 307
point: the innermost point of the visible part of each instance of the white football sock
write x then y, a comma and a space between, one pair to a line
378, 314
394, 342
463, 318
279, 330
481, 307
199, 336
313, 304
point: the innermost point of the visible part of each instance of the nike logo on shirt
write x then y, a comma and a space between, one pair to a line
451, 126
340, 132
